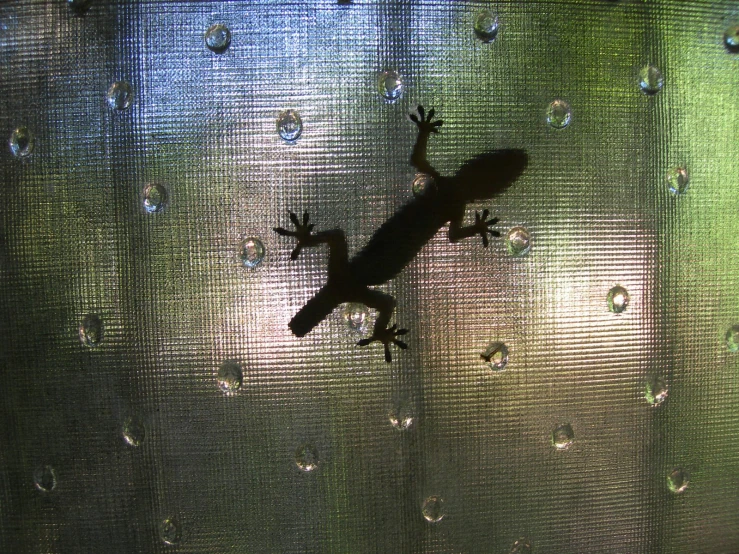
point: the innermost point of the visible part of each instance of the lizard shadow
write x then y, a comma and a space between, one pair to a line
404, 234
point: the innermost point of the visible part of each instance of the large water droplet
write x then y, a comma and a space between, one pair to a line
21, 142
44, 478
486, 26
650, 79
496, 356
133, 431
731, 39
401, 415
169, 531
91, 330
618, 299
251, 252
678, 180
120, 95
355, 317
230, 376
732, 338
289, 125
678, 480
559, 114
423, 185
433, 509
518, 241
218, 38
521, 546
656, 390
306, 457
563, 436
155, 198
390, 86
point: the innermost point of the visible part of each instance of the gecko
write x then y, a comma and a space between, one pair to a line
403, 235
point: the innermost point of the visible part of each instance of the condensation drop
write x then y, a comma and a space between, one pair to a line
678, 480
678, 180
218, 38
732, 338
486, 26
251, 252
306, 457
390, 86
618, 299
120, 95
44, 478
518, 242
133, 431
521, 546
91, 330
401, 415
355, 316
155, 198
289, 125
169, 531
731, 39
559, 114
423, 185
656, 390
433, 509
650, 79
21, 142
496, 356
230, 376
563, 436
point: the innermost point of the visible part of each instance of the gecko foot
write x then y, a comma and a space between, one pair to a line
424, 123
386, 337
482, 226
302, 233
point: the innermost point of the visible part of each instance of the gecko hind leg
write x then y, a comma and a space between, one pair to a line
385, 305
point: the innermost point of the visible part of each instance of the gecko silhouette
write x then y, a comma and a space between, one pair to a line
402, 236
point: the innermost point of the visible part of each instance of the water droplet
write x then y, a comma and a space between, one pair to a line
169, 531
306, 457
355, 316
390, 86
559, 114
732, 338
401, 415
91, 330
496, 356
133, 431
521, 546
731, 39
678, 180
44, 478
21, 142
486, 26
618, 299
289, 125
650, 79
218, 38
563, 436
433, 509
656, 390
251, 252
155, 198
230, 376
678, 480
78, 6
120, 95
423, 185
518, 241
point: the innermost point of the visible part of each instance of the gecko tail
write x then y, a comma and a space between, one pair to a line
314, 311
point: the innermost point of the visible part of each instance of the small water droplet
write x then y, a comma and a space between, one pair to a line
355, 316
21, 142
401, 415
732, 338
230, 376
618, 299
306, 457
423, 185
251, 252
559, 114
133, 431
155, 198
656, 390
433, 509
218, 38
678, 180
120, 95
731, 39
91, 330
563, 436
289, 125
650, 79
44, 478
390, 86
518, 241
521, 546
169, 531
678, 480
486, 26
496, 356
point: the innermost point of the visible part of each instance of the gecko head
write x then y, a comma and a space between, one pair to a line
490, 174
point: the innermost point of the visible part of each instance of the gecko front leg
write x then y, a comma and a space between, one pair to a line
481, 227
